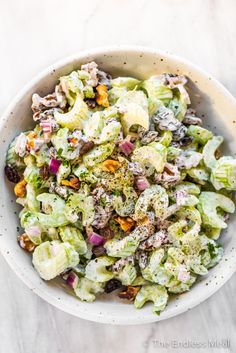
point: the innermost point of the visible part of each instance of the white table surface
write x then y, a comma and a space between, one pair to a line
34, 34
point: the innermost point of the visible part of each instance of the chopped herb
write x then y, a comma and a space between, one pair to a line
59, 152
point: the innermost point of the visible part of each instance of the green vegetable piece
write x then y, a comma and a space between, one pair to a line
98, 154
156, 198
213, 233
190, 213
32, 176
88, 91
135, 115
87, 289
186, 187
127, 82
155, 271
94, 126
83, 75
61, 144
152, 157
200, 134
140, 281
135, 105
177, 233
175, 230
155, 88
196, 266
127, 275
29, 219
84, 174
209, 203
209, 151
96, 269
72, 86
172, 153
181, 287
213, 255
74, 237
125, 208
51, 203
12, 158
153, 105
52, 258
31, 201
223, 174
134, 97
115, 93
166, 138
80, 203
154, 293
179, 107
199, 175
76, 117
122, 248
63, 171
110, 132
42, 156
99, 132
190, 188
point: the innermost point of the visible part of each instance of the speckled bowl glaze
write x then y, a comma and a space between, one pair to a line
214, 104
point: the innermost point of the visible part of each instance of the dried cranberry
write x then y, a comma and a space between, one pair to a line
87, 146
99, 251
12, 174
112, 285
91, 103
44, 172
107, 233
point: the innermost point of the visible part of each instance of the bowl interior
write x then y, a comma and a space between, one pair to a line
212, 102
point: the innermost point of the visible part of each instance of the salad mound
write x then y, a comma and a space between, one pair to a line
121, 187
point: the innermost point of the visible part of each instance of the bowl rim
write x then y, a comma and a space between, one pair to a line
58, 64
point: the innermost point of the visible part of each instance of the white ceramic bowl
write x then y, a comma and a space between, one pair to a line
212, 101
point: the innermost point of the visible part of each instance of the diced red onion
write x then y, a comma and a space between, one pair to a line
72, 280
46, 126
126, 147
54, 165
95, 239
141, 183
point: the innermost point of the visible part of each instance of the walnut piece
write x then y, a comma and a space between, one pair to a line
129, 293
126, 223
110, 165
20, 188
25, 242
